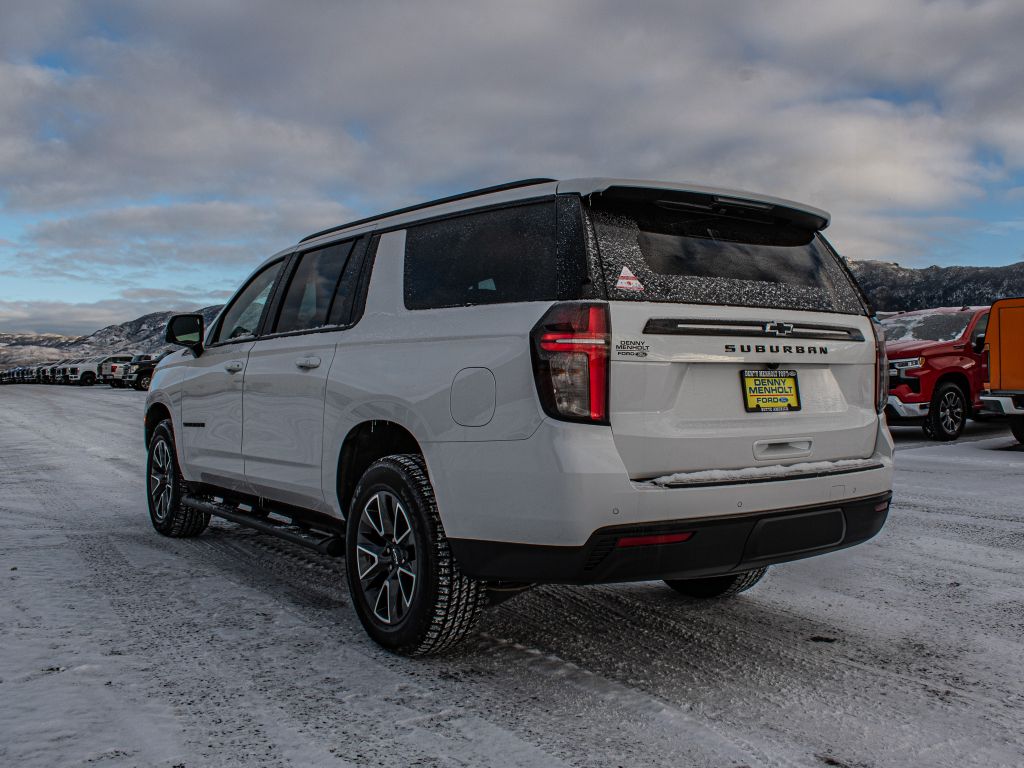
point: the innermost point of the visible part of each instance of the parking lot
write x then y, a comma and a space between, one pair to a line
120, 647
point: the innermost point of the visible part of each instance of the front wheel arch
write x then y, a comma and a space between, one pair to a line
157, 413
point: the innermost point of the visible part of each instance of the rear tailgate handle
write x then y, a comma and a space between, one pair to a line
308, 362
794, 448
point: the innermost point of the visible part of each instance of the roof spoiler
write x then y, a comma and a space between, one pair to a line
707, 199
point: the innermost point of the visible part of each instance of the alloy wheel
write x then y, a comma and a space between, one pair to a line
386, 557
161, 480
951, 411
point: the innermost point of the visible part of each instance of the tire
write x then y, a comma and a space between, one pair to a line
144, 383
947, 413
1017, 427
164, 486
87, 380
395, 546
718, 586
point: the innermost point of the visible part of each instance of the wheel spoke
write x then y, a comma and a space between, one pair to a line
403, 528
382, 606
372, 514
406, 579
367, 560
388, 506
395, 607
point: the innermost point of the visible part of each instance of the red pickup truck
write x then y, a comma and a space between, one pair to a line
937, 369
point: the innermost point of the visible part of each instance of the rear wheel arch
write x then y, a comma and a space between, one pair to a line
363, 445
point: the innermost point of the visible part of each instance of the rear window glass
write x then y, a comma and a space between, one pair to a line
651, 252
492, 257
925, 326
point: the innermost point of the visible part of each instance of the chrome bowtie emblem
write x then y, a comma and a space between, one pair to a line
777, 328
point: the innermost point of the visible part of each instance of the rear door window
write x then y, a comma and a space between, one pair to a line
491, 257
312, 289
653, 250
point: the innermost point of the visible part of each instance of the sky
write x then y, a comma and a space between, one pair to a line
153, 153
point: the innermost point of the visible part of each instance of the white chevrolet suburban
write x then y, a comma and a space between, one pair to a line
581, 381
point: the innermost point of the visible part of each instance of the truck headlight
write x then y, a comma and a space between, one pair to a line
907, 363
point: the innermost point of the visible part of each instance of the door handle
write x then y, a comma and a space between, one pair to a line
234, 366
308, 362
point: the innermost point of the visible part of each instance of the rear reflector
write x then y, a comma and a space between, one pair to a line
882, 506
657, 538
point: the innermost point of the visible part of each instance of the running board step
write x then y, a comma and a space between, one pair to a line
324, 544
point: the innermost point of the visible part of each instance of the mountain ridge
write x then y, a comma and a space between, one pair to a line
889, 286
143, 335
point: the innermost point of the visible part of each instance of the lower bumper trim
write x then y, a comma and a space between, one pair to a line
717, 546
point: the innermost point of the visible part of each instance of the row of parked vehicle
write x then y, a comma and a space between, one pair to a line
118, 371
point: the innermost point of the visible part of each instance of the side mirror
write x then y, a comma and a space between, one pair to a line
979, 343
186, 331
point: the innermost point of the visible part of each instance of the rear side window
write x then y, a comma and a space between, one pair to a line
312, 289
650, 250
492, 257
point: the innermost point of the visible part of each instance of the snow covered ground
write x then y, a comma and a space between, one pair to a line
122, 648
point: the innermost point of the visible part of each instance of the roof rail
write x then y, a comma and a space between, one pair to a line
420, 206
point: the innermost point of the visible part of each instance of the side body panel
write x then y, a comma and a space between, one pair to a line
210, 437
283, 416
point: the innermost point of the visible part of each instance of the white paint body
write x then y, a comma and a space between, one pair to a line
460, 380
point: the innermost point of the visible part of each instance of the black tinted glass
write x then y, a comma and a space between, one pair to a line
242, 318
307, 304
653, 252
492, 257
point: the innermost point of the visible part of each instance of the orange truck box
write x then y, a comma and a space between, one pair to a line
1005, 340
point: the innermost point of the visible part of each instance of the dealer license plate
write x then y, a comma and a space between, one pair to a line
770, 391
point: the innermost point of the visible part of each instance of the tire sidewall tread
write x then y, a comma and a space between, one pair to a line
447, 604
181, 522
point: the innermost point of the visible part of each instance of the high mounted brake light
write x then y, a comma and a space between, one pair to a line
570, 349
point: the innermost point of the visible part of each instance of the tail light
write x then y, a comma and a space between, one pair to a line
570, 348
881, 369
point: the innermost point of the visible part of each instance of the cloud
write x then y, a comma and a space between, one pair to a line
180, 138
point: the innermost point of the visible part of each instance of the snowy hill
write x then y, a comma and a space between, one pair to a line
893, 288
144, 335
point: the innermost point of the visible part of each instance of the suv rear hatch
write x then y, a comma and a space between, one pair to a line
739, 338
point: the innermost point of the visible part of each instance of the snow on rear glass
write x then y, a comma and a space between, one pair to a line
938, 326
704, 259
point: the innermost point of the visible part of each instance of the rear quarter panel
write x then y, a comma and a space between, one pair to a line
399, 365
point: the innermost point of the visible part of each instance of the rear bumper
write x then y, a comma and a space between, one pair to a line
567, 481
716, 546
